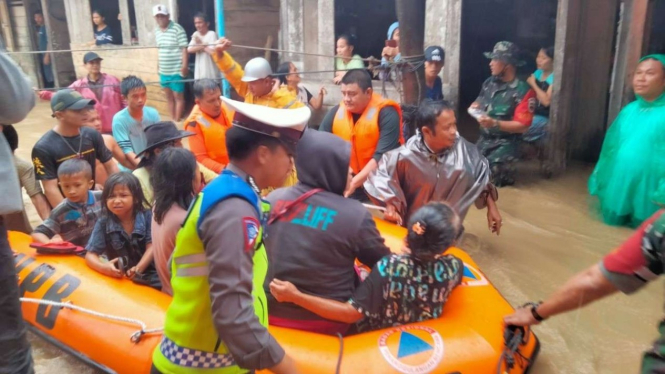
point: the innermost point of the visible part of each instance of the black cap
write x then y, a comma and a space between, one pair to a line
161, 133
435, 53
91, 56
69, 99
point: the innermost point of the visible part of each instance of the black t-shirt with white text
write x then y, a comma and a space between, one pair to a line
51, 150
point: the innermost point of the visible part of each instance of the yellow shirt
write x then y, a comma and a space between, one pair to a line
143, 175
233, 72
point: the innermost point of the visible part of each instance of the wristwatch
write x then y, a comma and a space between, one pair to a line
534, 312
496, 124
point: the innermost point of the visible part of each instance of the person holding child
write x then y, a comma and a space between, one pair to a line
123, 234
68, 139
75, 217
432, 230
176, 180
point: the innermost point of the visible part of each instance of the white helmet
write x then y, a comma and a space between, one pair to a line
257, 68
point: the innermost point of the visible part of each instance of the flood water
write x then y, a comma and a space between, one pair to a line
549, 234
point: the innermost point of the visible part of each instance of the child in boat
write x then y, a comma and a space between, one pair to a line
122, 233
74, 218
401, 288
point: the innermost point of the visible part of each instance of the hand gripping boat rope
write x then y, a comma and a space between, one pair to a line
134, 338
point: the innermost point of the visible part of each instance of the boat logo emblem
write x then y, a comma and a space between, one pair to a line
473, 277
412, 349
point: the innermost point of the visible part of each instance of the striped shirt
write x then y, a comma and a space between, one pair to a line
170, 56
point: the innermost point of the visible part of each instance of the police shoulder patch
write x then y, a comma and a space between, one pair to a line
250, 227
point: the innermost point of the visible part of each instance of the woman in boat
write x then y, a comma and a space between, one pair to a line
632, 161
288, 76
426, 273
175, 179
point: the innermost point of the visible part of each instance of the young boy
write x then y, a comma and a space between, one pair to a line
130, 123
94, 121
68, 139
75, 217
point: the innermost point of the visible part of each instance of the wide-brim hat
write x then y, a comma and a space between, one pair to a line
507, 52
161, 133
286, 125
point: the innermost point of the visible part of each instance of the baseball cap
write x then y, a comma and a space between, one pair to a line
69, 99
435, 53
160, 9
91, 56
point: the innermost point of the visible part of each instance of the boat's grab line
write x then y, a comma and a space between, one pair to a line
134, 338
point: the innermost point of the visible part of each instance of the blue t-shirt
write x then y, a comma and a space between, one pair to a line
42, 38
104, 36
129, 133
539, 73
435, 93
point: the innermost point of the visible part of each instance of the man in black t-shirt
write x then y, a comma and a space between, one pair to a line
68, 139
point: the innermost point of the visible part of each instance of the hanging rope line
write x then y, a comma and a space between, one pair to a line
123, 48
393, 69
134, 338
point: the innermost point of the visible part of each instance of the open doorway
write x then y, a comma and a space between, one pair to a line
531, 24
187, 9
368, 21
110, 10
656, 34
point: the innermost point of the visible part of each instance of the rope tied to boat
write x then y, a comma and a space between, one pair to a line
134, 338
513, 337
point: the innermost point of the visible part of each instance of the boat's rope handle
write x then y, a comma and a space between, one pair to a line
134, 338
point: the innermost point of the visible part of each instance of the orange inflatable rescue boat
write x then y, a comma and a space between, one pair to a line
114, 325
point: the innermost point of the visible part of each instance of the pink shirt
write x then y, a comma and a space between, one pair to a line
110, 104
163, 243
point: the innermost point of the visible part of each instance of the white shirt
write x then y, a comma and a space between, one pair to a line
205, 66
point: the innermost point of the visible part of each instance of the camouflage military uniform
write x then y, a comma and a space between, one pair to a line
501, 101
637, 261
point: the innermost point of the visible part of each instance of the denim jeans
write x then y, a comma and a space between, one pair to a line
15, 354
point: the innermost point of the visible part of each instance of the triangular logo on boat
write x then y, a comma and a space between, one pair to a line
410, 344
467, 273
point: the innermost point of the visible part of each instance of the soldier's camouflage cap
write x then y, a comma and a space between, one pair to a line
507, 52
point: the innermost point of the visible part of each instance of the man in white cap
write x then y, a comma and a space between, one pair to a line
218, 319
173, 69
254, 83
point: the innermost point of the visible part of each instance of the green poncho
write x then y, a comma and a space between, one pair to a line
631, 168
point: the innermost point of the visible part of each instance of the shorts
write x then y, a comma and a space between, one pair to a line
172, 82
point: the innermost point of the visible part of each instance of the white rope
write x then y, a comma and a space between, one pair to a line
135, 337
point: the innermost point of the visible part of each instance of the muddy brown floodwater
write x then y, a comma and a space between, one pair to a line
549, 234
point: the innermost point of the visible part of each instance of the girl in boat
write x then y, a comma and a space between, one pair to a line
424, 277
122, 234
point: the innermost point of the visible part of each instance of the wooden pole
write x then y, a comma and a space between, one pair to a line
411, 16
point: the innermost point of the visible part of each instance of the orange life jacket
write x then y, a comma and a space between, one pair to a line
364, 134
214, 132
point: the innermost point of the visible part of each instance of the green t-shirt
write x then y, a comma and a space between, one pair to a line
355, 63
